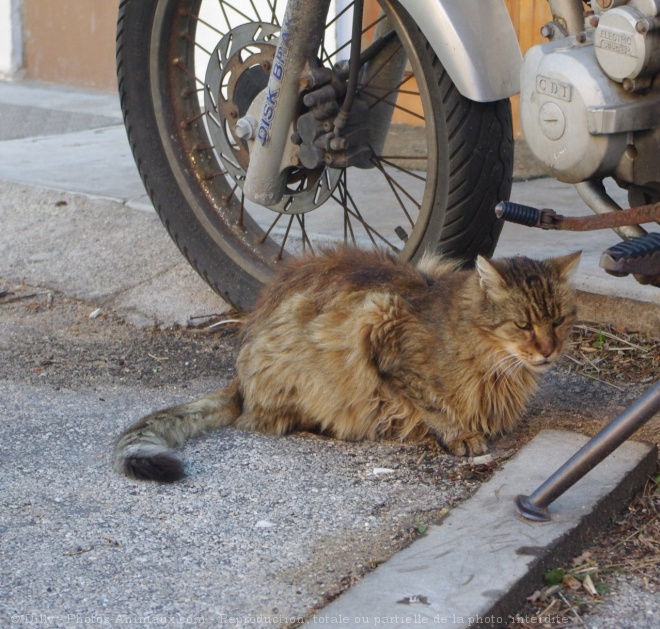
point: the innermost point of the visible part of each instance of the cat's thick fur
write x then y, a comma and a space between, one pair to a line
359, 345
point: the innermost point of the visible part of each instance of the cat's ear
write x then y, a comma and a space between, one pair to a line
567, 265
491, 277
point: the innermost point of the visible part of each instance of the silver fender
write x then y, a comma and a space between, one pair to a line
475, 42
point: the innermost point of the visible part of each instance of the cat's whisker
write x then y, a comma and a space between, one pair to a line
493, 369
508, 357
511, 369
507, 367
497, 362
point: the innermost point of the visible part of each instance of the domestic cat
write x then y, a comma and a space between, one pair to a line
360, 345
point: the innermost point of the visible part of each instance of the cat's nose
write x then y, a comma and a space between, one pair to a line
545, 347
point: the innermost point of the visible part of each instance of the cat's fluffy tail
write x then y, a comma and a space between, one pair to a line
144, 451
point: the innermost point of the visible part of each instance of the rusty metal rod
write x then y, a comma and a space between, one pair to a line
549, 219
535, 506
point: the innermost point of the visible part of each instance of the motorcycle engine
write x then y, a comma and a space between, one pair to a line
590, 102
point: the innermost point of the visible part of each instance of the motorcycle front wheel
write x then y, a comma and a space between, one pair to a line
188, 69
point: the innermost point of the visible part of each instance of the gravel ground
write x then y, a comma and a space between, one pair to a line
261, 526
630, 605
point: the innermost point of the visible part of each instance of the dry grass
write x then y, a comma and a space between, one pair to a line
613, 356
631, 544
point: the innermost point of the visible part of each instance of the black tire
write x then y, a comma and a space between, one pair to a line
469, 157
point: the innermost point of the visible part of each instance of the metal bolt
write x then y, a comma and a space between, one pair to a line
245, 128
642, 27
547, 31
295, 160
266, 65
593, 21
628, 85
341, 66
338, 144
581, 37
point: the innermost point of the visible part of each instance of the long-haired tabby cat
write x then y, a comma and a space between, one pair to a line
359, 345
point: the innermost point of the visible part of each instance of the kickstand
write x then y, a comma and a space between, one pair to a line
535, 506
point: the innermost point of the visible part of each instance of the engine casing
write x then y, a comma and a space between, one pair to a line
560, 82
587, 102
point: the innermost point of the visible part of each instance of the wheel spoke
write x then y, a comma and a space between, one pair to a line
256, 11
355, 213
213, 175
401, 168
410, 112
301, 222
194, 118
328, 57
348, 229
189, 13
273, 7
344, 10
381, 98
325, 57
193, 41
387, 159
382, 66
348, 226
241, 209
278, 216
394, 184
343, 201
224, 4
182, 66
286, 235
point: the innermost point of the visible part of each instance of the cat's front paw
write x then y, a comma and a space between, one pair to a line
468, 445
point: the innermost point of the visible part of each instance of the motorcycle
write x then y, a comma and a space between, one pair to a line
263, 129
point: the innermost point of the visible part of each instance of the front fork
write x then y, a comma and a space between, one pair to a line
302, 32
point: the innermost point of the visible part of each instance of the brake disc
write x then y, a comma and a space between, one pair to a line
237, 76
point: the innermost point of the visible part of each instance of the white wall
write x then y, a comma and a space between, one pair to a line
11, 40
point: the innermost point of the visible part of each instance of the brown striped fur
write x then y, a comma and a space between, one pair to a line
360, 345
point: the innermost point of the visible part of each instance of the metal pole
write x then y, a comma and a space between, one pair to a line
535, 506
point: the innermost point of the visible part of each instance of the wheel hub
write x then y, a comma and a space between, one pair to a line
236, 80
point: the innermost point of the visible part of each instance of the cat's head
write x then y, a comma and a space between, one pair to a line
527, 306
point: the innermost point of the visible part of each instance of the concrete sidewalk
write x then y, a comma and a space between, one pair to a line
76, 219
75, 142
